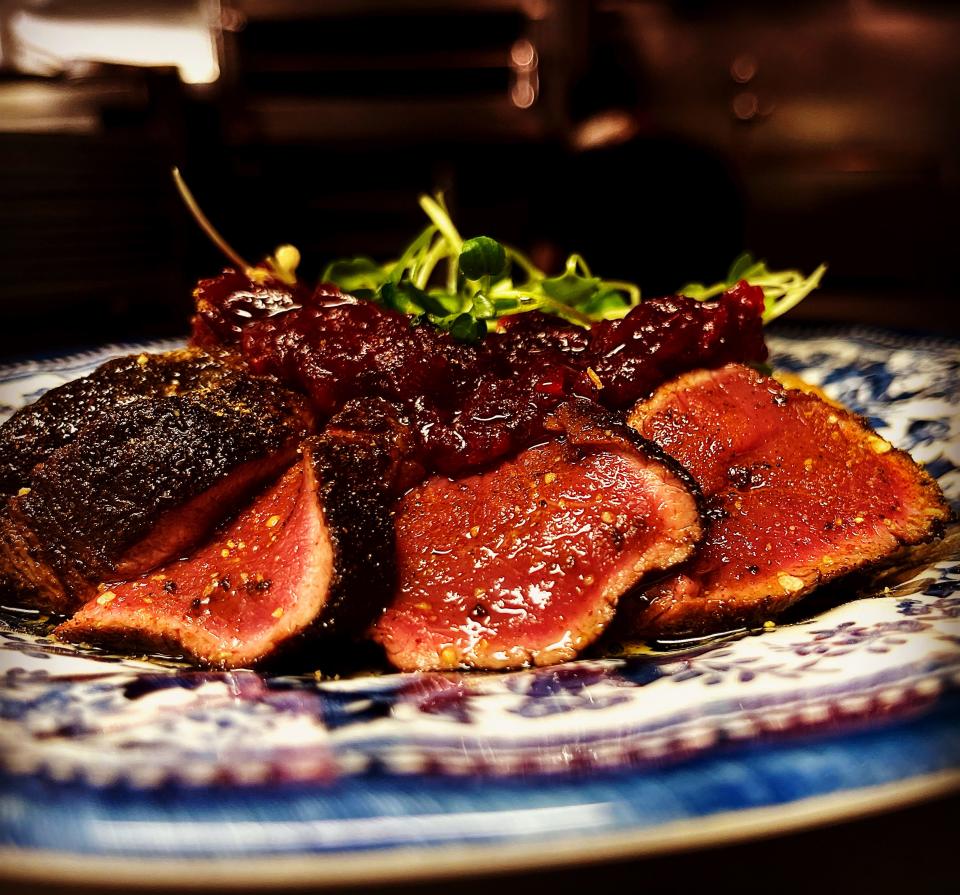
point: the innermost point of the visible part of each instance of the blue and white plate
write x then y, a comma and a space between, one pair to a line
132, 770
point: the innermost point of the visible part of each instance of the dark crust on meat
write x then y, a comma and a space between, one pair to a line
356, 461
376, 425
35, 431
345, 477
360, 526
24, 574
175, 626
98, 496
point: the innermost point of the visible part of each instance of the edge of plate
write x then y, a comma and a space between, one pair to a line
417, 864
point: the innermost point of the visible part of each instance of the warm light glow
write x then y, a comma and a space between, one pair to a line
744, 68
745, 105
192, 49
38, 107
525, 63
536, 10
523, 94
605, 129
523, 54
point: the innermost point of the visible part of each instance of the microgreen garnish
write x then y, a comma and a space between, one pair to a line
466, 286
485, 280
482, 257
782, 289
282, 265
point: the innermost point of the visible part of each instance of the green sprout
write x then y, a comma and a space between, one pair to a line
466, 286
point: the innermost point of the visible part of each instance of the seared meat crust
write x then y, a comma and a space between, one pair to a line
310, 558
142, 482
53, 420
361, 465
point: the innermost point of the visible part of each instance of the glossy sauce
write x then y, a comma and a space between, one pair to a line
469, 405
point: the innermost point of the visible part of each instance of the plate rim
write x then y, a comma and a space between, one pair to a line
417, 864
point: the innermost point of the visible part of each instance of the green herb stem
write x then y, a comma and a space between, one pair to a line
441, 219
631, 289
407, 261
793, 295
204, 222
433, 256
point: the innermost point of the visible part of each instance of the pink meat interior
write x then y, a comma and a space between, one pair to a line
523, 564
236, 598
800, 491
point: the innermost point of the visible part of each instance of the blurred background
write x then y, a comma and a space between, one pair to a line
659, 139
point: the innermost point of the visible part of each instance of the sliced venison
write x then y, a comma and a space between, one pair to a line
799, 492
310, 558
36, 431
141, 483
524, 564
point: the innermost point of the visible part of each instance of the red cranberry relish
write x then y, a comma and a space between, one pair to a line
470, 404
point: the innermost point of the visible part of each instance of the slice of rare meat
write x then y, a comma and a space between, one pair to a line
36, 431
140, 483
524, 564
311, 557
799, 491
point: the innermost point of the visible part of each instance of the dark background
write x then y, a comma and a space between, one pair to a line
657, 138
